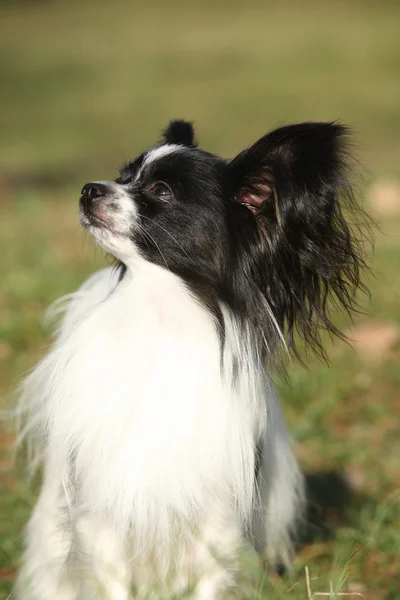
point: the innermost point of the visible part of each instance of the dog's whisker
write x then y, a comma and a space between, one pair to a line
168, 233
152, 240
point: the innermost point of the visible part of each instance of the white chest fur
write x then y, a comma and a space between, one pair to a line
145, 425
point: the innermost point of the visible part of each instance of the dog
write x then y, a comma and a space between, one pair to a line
154, 416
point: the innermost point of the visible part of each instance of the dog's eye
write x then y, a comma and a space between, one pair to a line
161, 190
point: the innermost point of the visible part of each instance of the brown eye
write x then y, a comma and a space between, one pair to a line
161, 190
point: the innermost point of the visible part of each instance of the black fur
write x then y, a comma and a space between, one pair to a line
303, 249
179, 132
266, 233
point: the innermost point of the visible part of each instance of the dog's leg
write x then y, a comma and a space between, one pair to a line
70, 558
44, 573
280, 501
104, 571
216, 553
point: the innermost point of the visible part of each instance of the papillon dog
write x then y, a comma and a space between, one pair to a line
161, 438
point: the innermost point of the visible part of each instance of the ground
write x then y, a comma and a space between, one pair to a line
85, 87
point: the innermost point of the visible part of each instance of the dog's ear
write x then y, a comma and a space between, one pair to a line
292, 170
294, 181
179, 132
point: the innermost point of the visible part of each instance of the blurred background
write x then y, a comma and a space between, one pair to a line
86, 86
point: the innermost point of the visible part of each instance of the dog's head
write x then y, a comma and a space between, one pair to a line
264, 233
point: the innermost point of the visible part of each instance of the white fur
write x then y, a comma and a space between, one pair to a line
279, 507
148, 442
159, 152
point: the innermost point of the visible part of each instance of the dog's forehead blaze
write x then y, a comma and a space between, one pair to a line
149, 158
161, 151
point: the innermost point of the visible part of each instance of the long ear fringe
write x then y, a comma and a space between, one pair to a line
333, 263
315, 254
332, 287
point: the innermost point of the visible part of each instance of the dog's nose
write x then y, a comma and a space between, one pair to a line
91, 191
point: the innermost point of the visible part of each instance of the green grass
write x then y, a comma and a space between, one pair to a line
87, 85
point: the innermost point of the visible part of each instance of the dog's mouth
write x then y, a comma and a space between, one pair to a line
96, 217
98, 220
92, 204
94, 212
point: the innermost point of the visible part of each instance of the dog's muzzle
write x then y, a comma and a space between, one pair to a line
94, 203
91, 192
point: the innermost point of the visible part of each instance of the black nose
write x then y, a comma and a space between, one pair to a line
91, 191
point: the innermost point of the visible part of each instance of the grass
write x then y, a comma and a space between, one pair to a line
86, 86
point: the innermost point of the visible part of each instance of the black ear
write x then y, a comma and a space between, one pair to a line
307, 224
179, 132
295, 163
